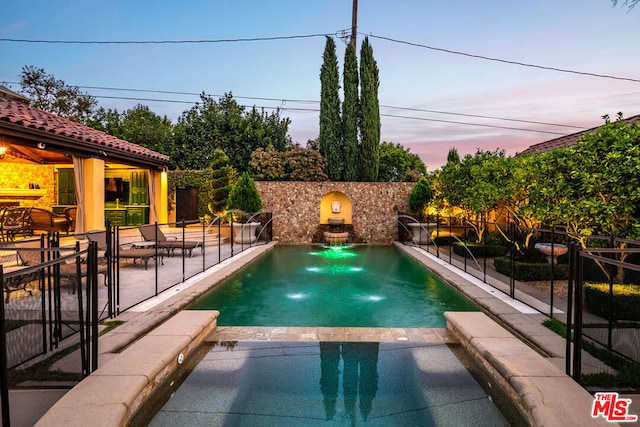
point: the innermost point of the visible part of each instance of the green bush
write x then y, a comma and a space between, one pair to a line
526, 271
625, 303
478, 250
244, 195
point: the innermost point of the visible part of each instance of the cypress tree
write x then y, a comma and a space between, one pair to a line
370, 114
453, 156
329, 138
350, 112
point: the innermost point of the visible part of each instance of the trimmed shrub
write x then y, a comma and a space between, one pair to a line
478, 250
527, 271
625, 303
244, 195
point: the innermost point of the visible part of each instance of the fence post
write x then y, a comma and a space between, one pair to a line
572, 274
577, 331
92, 279
484, 241
464, 241
553, 269
512, 261
4, 392
204, 241
184, 261
610, 319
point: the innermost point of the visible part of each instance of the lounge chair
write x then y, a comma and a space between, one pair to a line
169, 244
144, 254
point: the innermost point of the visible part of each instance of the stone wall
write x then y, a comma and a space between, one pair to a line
296, 208
18, 175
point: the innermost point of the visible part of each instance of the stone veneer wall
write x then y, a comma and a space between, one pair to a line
17, 175
296, 208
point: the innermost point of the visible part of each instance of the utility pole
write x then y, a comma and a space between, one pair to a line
354, 24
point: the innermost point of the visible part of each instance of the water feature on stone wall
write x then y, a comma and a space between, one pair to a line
335, 236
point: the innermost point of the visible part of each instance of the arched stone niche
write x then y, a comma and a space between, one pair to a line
335, 205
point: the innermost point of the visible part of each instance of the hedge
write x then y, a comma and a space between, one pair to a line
626, 300
527, 271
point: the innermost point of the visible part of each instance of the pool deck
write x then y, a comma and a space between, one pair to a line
528, 358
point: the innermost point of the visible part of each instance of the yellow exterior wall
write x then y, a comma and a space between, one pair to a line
93, 184
161, 203
326, 207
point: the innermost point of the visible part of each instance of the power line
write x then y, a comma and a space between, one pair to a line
336, 34
472, 124
315, 110
308, 101
482, 116
505, 61
202, 41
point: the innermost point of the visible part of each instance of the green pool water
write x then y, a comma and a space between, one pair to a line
358, 286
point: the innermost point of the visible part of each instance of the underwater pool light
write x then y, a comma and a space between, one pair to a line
298, 295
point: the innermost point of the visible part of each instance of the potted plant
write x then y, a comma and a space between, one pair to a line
419, 199
244, 197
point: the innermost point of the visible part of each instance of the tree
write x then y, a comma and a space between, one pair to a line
268, 164
226, 125
397, 164
370, 114
305, 164
453, 156
138, 125
592, 187
350, 114
219, 186
55, 96
476, 185
329, 138
296, 164
143, 127
108, 121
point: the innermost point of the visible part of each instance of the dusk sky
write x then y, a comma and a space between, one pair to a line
586, 36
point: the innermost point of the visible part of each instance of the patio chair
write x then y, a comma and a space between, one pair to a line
17, 277
169, 244
68, 271
71, 213
143, 254
14, 221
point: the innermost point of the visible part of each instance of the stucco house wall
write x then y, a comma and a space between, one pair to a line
296, 208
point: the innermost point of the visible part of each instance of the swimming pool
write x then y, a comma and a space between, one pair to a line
329, 383
357, 286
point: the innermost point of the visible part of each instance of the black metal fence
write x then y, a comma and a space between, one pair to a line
142, 262
49, 309
606, 323
589, 285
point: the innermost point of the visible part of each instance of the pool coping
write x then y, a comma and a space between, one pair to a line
95, 399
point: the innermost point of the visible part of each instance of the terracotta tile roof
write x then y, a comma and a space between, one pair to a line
567, 140
84, 137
